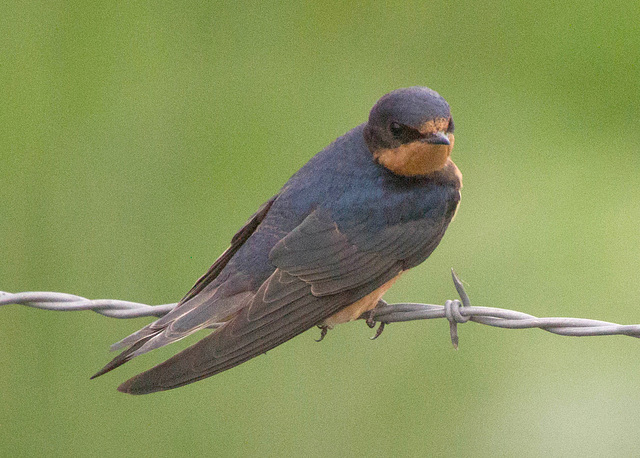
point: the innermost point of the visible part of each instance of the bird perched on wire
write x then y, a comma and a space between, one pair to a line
323, 250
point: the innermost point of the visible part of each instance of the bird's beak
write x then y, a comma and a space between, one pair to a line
439, 138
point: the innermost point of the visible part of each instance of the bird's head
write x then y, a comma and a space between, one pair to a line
410, 131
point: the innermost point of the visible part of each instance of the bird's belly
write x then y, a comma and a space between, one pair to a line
353, 311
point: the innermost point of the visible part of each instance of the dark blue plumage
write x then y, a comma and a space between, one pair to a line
338, 233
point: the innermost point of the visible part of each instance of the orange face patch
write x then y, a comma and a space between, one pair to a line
434, 125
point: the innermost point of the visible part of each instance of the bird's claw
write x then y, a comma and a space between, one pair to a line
323, 332
378, 331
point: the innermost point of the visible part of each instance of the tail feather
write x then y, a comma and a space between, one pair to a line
269, 321
179, 370
227, 347
121, 358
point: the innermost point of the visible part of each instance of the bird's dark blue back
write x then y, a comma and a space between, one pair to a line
344, 179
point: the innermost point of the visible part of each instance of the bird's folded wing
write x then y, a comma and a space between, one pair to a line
320, 269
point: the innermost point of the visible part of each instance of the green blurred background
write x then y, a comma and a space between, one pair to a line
136, 137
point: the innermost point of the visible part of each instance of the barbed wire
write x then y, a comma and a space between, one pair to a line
455, 311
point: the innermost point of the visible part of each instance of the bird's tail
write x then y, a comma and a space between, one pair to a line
283, 308
209, 356
122, 357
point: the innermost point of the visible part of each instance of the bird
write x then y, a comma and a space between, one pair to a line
322, 251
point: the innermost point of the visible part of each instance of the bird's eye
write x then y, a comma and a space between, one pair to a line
397, 129
404, 134
450, 128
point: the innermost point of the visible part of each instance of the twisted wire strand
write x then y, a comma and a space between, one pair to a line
455, 311
63, 302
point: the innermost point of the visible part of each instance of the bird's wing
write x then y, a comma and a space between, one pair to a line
190, 315
321, 268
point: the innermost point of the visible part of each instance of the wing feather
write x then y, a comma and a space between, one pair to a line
304, 290
198, 308
256, 330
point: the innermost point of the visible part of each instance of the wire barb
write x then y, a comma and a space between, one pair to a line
455, 311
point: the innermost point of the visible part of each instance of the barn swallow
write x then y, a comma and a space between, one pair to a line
322, 251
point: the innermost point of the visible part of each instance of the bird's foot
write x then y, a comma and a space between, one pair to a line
323, 332
369, 318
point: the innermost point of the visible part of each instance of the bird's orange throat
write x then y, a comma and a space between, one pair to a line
415, 158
